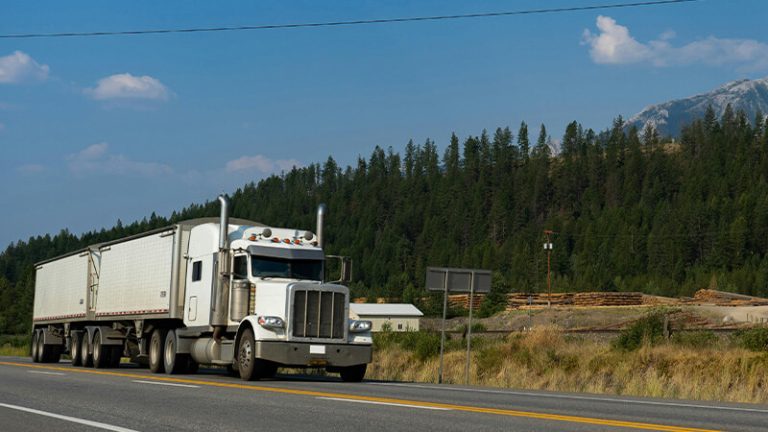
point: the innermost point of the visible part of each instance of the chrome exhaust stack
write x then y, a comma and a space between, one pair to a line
320, 214
219, 314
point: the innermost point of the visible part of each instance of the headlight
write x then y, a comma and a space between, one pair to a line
360, 326
271, 322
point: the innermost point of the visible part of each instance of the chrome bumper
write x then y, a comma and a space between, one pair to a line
299, 353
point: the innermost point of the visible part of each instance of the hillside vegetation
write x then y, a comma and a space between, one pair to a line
631, 213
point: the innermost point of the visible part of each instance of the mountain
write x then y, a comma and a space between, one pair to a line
751, 96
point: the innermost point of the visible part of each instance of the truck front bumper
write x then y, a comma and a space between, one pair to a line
302, 354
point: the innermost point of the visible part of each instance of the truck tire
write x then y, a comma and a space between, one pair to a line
353, 373
42, 350
100, 352
115, 355
156, 349
246, 361
85, 356
35, 347
173, 362
74, 348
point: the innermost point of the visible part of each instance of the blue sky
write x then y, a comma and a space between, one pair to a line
96, 129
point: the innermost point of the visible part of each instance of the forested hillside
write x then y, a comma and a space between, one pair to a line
630, 213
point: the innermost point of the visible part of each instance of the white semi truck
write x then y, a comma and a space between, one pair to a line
205, 291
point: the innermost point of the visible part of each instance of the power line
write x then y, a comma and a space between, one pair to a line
341, 23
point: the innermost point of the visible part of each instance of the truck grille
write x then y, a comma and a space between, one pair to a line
318, 314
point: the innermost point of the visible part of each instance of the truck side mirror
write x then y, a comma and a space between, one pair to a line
345, 268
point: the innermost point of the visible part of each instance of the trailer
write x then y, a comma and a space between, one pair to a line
226, 292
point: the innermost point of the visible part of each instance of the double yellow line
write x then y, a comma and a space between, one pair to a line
465, 408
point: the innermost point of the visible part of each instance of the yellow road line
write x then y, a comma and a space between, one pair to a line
465, 408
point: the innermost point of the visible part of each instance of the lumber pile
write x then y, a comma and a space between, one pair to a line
608, 299
653, 300
722, 298
461, 301
517, 300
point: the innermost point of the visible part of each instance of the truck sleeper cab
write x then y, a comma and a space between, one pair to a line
239, 295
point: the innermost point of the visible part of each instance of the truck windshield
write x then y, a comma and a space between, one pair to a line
286, 268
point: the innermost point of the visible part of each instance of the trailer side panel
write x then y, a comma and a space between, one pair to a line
61, 289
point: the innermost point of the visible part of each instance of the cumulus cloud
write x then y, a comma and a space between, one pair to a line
262, 164
127, 86
20, 67
614, 44
96, 159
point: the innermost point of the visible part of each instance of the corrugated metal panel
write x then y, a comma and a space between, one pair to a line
135, 276
61, 287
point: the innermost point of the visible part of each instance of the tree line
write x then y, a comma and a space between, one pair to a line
631, 211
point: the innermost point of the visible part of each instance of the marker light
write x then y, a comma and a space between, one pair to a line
252, 237
287, 241
297, 242
359, 326
271, 322
275, 240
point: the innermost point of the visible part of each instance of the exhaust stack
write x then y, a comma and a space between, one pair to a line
219, 315
320, 214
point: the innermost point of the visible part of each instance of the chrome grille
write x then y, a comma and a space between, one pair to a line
318, 314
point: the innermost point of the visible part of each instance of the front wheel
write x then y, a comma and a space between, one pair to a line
353, 373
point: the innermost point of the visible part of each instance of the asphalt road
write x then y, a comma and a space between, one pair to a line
36, 397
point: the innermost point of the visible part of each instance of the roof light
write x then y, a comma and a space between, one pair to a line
287, 241
252, 237
297, 242
275, 240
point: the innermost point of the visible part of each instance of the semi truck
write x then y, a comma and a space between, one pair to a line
212, 291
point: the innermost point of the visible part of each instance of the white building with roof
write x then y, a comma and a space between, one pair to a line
400, 316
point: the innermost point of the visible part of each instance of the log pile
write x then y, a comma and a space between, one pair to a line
722, 298
461, 301
608, 299
517, 300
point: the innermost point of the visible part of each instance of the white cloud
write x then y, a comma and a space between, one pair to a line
31, 168
20, 67
615, 45
96, 159
261, 164
127, 86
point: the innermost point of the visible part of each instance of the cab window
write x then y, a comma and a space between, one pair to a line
240, 267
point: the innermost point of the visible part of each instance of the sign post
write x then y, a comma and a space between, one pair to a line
459, 281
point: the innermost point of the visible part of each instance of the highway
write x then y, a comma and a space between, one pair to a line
43, 397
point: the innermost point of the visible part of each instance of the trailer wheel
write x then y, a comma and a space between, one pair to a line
42, 351
353, 373
115, 355
35, 347
173, 362
100, 352
85, 357
74, 348
156, 345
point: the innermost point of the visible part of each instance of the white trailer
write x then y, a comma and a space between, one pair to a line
205, 291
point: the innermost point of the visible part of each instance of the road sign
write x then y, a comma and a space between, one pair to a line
458, 280
462, 281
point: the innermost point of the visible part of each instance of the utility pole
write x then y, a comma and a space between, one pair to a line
548, 248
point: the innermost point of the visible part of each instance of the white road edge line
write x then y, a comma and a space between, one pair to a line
385, 403
46, 373
166, 384
70, 419
586, 398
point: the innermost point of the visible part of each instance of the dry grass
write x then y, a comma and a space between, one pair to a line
544, 359
10, 350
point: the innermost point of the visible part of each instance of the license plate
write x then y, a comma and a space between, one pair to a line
317, 349
318, 362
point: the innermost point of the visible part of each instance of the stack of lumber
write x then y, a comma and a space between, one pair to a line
517, 300
360, 300
608, 299
461, 301
722, 298
659, 300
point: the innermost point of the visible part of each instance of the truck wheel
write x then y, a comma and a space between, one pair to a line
173, 362
74, 348
42, 350
100, 352
115, 355
353, 373
85, 357
35, 347
246, 361
156, 345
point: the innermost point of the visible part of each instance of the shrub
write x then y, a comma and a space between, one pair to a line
647, 330
754, 339
695, 339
